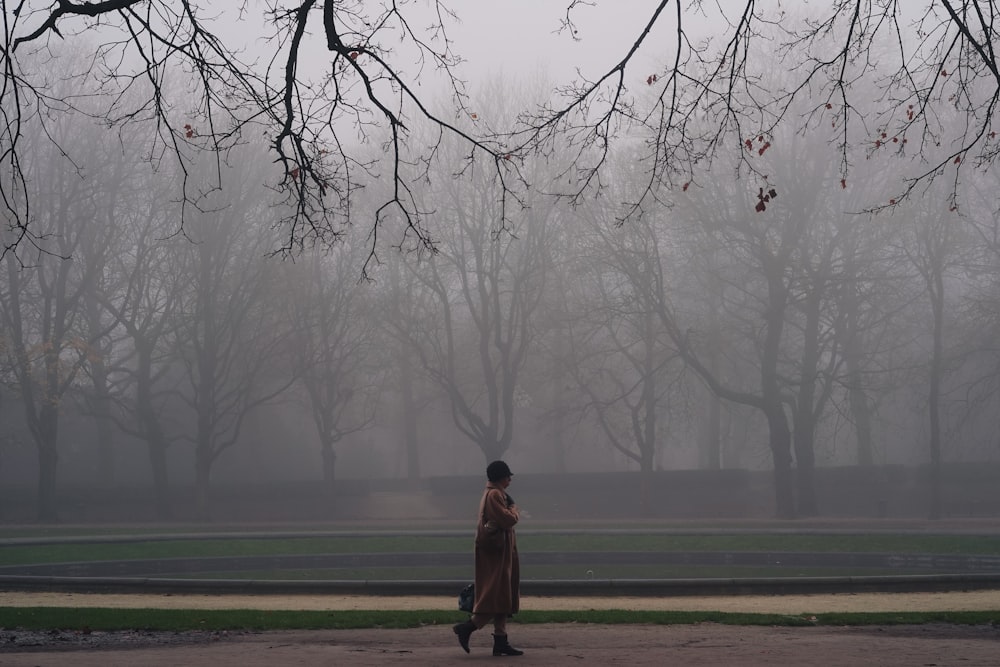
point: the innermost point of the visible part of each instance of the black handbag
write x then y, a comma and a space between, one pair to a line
467, 598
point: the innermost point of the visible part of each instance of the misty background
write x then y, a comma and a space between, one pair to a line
786, 324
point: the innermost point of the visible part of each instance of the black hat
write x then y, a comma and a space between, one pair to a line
498, 470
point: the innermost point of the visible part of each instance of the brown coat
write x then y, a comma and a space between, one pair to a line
498, 572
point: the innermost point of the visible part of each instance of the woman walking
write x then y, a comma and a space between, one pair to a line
498, 572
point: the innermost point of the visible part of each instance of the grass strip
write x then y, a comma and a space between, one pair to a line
180, 620
188, 548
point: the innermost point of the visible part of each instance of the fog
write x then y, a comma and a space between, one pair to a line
218, 315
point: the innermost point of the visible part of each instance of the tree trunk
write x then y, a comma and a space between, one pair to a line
106, 470
780, 440
149, 425
408, 421
101, 406
645, 491
492, 449
805, 467
555, 439
853, 351
934, 396
556, 423
861, 410
48, 462
203, 482
647, 440
710, 433
204, 439
329, 455
805, 410
106, 474
710, 443
161, 485
48, 440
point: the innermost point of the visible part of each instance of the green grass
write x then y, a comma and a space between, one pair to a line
208, 547
61, 553
540, 572
860, 543
179, 620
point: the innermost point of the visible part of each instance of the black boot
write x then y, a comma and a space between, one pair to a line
502, 647
464, 631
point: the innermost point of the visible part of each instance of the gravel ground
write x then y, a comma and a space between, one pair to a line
556, 645
562, 644
977, 600
76, 640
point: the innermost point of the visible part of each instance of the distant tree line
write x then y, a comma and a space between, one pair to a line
174, 278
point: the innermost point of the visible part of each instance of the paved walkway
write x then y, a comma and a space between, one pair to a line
985, 600
552, 645
705, 644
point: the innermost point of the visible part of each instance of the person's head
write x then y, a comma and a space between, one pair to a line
498, 472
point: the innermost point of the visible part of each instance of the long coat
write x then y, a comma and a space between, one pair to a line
498, 572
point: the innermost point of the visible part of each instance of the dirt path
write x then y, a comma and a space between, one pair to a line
984, 600
561, 645
551, 645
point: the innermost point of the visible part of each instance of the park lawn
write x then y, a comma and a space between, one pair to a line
207, 545
181, 620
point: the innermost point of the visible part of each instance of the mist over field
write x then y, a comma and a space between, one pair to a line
723, 262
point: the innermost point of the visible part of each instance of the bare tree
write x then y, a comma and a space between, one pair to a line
932, 246
368, 89
782, 266
713, 93
978, 376
42, 296
405, 306
334, 347
486, 280
708, 95
624, 365
486, 289
133, 205
140, 292
230, 340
